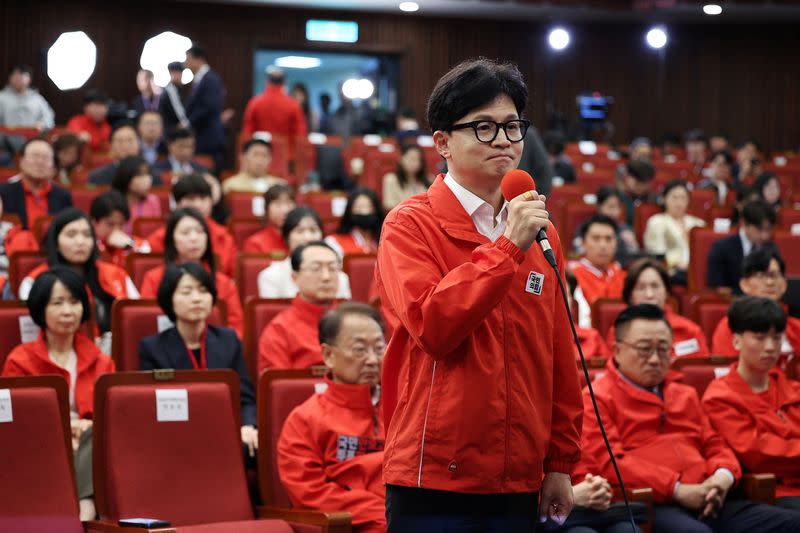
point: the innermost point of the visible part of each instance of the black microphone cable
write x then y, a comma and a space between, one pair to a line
548, 253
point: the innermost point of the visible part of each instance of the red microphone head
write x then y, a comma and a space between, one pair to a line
516, 182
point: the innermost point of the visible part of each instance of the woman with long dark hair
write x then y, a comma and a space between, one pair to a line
410, 178
360, 227
134, 180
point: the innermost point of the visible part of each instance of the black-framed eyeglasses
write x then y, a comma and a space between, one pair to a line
486, 130
663, 351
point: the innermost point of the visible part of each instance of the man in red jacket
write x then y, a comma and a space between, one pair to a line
273, 110
331, 447
481, 391
755, 407
663, 439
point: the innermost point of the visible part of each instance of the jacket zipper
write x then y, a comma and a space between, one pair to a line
425, 427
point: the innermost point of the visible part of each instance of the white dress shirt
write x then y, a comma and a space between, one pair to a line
275, 281
479, 210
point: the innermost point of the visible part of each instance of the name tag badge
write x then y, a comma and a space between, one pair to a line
686, 347
534, 283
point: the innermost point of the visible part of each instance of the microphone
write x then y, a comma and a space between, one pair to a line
517, 182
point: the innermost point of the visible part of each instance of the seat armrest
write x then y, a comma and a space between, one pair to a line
759, 487
644, 496
335, 522
111, 526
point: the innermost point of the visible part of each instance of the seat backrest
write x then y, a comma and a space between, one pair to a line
137, 265
248, 265
20, 264
573, 215
144, 226
361, 270
279, 392
37, 480
185, 471
699, 373
641, 215
561, 196
322, 202
258, 312
788, 217
700, 242
243, 227
701, 200
131, 320
245, 204
709, 314
789, 246
10, 313
83, 196
163, 194
604, 312
40, 226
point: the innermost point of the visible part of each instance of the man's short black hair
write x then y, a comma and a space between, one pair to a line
128, 168
604, 192
635, 270
43, 288
122, 125
759, 260
256, 142
199, 51
178, 134
147, 112
95, 96
331, 322
172, 276
696, 135
22, 69
407, 112
729, 160
297, 254
193, 184
473, 84
674, 184
293, 220
634, 312
106, 203
176, 66
641, 171
171, 252
756, 314
598, 219
756, 212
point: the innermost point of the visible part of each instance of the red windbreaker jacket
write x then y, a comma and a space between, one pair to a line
480, 384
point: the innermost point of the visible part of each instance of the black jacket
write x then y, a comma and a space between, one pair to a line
14, 201
223, 351
725, 262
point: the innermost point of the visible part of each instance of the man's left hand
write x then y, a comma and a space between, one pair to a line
556, 498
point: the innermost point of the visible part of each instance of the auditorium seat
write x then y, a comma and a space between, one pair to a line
144, 226
700, 242
640, 217
563, 195
10, 313
83, 195
789, 246
13, 218
604, 312
376, 167
592, 181
248, 266
243, 227
7, 173
137, 264
37, 479
708, 311
699, 372
258, 312
279, 392
322, 202
361, 270
701, 200
40, 226
245, 204
572, 216
696, 300
20, 264
133, 319
788, 217
163, 194
188, 472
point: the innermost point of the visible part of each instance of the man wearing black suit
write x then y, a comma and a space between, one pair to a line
204, 106
180, 151
727, 255
171, 104
31, 193
124, 143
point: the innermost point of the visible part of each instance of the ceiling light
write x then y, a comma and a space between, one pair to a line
160, 51
409, 7
558, 39
657, 38
712, 9
298, 62
71, 60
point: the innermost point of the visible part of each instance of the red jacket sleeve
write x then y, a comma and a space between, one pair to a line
722, 340
149, 285
302, 471
299, 122
273, 351
714, 449
565, 433
441, 309
636, 472
757, 449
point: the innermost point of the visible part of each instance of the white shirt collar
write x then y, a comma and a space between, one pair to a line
747, 245
479, 210
201, 72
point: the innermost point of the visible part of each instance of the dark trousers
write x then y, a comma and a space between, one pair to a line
434, 511
734, 517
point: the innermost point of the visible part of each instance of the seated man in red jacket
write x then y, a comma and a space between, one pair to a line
330, 451
663, 439
755, 408
291, 340
764, 275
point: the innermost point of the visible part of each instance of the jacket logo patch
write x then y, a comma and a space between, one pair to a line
349, 446
534, 283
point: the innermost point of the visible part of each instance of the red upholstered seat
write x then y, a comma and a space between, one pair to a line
321, 202
241, 203
573, 215
20, 264
258, 313
10, 312
144, 226
163, 194
137, 265
83, 195
248, 266
37, 485
561, 196
789, 245
699, 373
605, 312
700, 242
788, 217
640, 217
709, 314
250, 526
243, 227
360, 268
133, 319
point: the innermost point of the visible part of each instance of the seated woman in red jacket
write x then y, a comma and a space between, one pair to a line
360, 227
187, 238
648, 283
330, 451
71, 241
59, 304
278, 201
755, 408
187, 294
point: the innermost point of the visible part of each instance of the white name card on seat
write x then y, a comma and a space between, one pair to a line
320, 387
722, 225
795, 229
590, 199
172, 405
372, 139
338, 205
5, 406
317, 138
28, 330
258, 206
163, 323
721, 371
426, 141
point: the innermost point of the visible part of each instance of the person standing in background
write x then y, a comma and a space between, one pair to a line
21, 106
204, 106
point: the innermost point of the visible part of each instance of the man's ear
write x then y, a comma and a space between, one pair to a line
328, 357
737, 342
440, 141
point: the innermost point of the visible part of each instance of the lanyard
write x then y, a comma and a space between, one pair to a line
203, 362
